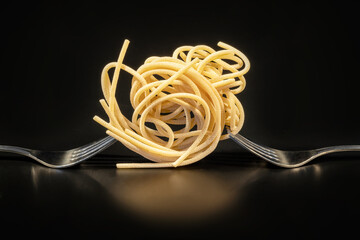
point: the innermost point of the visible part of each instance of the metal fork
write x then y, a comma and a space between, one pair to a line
62, 159
289, 159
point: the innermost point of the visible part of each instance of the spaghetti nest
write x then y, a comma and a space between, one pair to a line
181, 103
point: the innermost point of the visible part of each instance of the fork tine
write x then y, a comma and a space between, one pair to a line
85, 155
93, 148
271, 156
95, 144
89, 151
259, 152
259, 147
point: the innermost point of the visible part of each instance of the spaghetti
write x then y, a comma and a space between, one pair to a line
181, 104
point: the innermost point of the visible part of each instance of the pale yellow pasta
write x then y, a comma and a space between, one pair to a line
181, 103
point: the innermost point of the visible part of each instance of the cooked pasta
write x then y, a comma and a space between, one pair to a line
181, 103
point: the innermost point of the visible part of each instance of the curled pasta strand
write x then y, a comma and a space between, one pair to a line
182, 103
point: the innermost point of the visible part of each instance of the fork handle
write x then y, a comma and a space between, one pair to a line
14, 149
340, 148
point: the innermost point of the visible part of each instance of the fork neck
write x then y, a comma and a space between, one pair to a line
14, 149
340, 148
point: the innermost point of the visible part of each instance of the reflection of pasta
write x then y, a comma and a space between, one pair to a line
181, 104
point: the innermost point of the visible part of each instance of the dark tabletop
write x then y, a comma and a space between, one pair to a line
302, 92
224, 195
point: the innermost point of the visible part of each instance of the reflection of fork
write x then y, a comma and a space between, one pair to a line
62, 159
288, 159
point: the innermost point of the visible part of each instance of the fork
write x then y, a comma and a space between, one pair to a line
62, 159
288, 159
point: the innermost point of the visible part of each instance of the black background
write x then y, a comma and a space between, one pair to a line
301, 89
302, 92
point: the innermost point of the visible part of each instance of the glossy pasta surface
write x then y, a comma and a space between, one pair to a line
182, 104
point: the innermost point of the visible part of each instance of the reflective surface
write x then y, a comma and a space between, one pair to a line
235, 195
286, 158
62, 159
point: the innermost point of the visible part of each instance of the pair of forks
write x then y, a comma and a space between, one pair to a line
68, 158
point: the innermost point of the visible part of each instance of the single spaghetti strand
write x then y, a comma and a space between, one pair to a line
182, 104
116, 75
